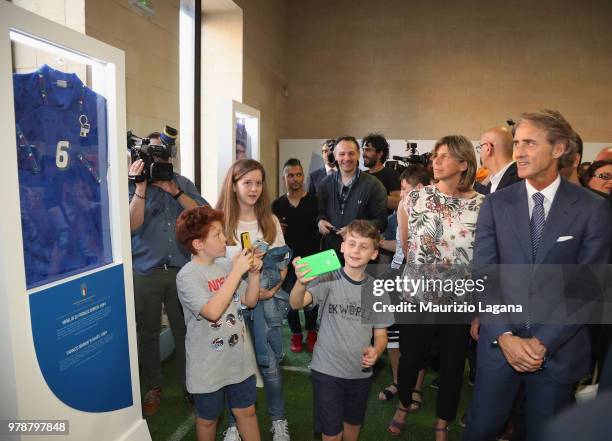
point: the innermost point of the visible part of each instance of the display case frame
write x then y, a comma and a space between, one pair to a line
23, 384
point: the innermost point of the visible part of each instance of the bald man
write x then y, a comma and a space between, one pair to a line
496, 156
606, 153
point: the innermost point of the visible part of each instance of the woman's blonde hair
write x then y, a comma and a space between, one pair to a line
462, 150
228, 202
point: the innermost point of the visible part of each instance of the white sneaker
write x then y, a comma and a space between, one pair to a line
231, 434
280, 430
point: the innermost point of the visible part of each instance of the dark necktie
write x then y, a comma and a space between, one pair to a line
536, 226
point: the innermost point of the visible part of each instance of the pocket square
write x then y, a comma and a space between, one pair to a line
564, 238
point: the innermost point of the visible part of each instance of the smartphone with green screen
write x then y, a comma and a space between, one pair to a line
321, 263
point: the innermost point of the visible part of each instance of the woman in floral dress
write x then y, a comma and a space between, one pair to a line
437, 226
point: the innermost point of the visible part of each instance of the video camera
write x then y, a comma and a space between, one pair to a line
141, 148
414, 157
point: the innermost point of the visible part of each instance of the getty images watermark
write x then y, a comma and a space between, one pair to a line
420, 289
511, 294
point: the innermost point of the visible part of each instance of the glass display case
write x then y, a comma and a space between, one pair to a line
66, 323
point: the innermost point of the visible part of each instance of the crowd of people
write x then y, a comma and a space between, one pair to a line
527, 200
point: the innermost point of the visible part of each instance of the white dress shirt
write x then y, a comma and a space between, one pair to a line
496, 178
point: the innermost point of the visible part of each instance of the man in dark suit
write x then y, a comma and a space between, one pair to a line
543, 221
588, 421
317, 175
495, 150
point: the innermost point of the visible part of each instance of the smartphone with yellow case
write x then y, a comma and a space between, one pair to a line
245, 240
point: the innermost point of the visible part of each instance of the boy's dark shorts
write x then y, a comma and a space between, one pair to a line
209, 406
338, 400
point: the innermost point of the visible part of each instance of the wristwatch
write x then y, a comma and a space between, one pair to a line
178, 195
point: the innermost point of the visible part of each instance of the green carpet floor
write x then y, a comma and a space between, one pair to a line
175, 418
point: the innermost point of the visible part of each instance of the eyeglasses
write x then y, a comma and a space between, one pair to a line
603, 176
481, 145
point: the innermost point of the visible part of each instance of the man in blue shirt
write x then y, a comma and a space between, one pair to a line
156, 260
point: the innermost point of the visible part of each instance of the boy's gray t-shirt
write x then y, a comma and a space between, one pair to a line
343, 332
216, 353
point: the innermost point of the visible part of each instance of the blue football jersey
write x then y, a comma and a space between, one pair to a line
62, 160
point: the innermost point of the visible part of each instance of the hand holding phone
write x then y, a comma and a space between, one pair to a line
243, 261
302, 271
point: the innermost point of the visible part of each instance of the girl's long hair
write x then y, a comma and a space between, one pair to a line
228, 202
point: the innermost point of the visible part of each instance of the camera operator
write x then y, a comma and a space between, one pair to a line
156, 260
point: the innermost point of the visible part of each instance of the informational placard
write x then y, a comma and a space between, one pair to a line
80, 332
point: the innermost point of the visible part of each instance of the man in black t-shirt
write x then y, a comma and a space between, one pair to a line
297, 212
375, 150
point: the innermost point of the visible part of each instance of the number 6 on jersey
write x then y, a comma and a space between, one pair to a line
62, 159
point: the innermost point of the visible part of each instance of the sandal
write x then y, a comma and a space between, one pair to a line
399, 425
386, 392
415, 405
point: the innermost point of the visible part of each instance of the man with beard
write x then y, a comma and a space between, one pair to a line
375, 151
297, 212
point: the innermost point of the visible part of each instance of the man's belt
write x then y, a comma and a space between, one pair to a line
166, 267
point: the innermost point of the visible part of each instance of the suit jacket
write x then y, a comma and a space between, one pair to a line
314, 179
577, 231
509, 177
586, 421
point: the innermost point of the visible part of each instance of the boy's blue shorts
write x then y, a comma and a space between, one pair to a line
338, 400
209, 406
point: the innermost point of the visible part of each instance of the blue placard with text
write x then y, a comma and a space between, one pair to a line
80, 338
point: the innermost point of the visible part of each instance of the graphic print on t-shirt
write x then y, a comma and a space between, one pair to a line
217, 344
350, 310
215, 285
